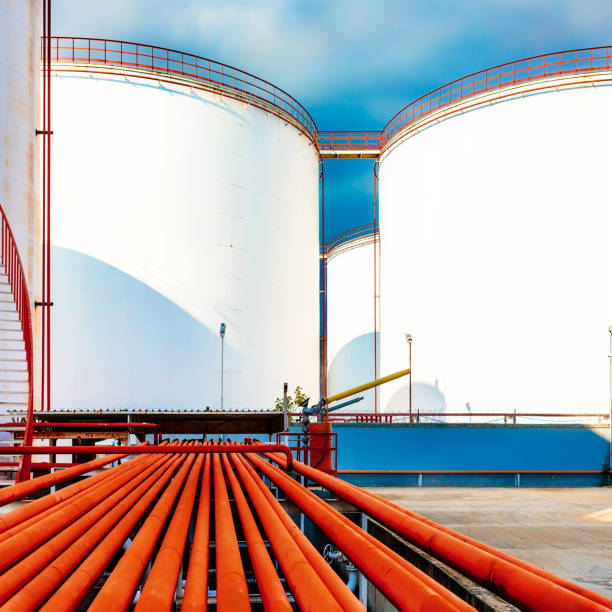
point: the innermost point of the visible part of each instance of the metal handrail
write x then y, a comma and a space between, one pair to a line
361, 231
11, 261
352, 140
505, 75
165, 61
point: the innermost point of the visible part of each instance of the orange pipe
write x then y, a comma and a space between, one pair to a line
307, 587
160, 586
70, 594
270, 587
195, 596
35, 511
515, 580
391, 579
118, 590
232, 590
44, 569
21, 544
451, 597
333, 582
20, 490
596, 597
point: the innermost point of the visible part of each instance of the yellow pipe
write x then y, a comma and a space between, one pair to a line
368, 385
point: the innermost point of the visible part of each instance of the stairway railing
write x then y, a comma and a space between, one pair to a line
11, 261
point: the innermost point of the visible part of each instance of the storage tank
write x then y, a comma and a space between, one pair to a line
496, 252
185, 195
20, 26
352, 274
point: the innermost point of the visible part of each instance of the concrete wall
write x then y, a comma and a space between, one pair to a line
174, 210
495, 250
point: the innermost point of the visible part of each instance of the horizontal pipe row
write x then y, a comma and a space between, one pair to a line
54, 550
525, 585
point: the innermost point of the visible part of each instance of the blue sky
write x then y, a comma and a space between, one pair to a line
353, 64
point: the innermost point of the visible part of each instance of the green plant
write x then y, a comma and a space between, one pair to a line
293, 401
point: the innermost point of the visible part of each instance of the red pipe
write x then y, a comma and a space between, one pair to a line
19, 519
526, 586
232, 590
76, 587
160, 587
196, 586
391, 578
119, 588
270, 587
20, 490
456, 601
148, 449
24, 542
332, 581
40, 572
309, 590
83, 425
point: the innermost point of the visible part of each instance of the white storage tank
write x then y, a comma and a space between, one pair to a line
19, 119
352, 274
496, 217
179, 203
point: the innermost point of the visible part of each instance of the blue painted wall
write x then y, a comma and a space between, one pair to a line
472, 447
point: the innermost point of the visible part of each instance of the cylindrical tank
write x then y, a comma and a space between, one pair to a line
20, 28
177, 207
352, 272
19, 87
496, 251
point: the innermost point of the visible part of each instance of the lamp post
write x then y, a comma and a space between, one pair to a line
222, 334
409, 340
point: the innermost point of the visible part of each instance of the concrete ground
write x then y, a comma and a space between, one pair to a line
564, 531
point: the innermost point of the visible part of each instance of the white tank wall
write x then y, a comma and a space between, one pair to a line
350, 320
176, 209
19, 89
496, 254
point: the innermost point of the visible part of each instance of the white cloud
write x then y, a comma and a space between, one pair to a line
342, 52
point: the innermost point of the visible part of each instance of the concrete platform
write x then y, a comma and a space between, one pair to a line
565, 531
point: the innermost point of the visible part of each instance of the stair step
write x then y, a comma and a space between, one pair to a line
7, 483
9, 317
7, 306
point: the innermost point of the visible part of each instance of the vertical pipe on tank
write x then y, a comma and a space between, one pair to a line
375, 187
323, 287
44, 202
48, 187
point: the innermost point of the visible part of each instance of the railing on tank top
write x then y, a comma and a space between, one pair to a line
368, 232
176, 63
522, 71
13, 268
468, 417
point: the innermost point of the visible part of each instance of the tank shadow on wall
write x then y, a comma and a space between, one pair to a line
126, 345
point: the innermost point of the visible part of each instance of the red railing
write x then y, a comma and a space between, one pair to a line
369, 230
169, 62
353, 140
417, 417
512, 73
13, 268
